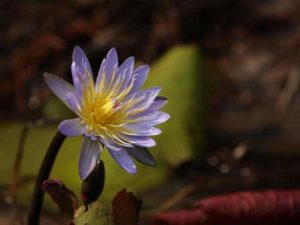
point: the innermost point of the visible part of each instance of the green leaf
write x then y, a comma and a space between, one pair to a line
178, 72
96, 214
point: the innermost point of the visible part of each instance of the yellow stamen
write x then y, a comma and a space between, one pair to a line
102, 112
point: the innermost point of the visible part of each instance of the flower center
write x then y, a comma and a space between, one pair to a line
99, 113
102, 111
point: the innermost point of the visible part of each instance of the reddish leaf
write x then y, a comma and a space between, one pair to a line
244, 208
269, 207
188, 217
65, 199
126, 208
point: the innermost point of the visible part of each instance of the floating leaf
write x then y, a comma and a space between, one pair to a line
65, 199
268, 207
184, 217
126, 208
247, 208
178, 72
94, 214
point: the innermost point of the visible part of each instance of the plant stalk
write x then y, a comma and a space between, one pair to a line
43, 174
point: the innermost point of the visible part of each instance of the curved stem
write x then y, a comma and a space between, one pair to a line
44, 172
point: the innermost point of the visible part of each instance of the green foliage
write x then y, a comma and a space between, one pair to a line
178, 72
97, 214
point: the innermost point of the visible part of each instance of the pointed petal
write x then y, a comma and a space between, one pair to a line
145, 99
81, 72
142, 155
143, 141
59, 87
140, 78
111, 64
126, 70
124, 160
77, 80
139, 129
72, 127
156, 118
81, 61
158, 103
127, 65
100, 74
89, 154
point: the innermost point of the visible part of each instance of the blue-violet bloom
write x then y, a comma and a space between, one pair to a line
112, 111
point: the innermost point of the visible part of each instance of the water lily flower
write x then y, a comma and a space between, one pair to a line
112, 111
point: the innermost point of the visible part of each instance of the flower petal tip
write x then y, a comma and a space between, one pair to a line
112, 53
77, 49
132, 170
123, 159
71, 127
167, 116
112, 50
48, 77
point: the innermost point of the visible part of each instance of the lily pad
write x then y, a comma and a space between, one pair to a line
178, 72
95, 214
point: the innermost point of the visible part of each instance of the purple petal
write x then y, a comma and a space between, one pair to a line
77, 80
121, 78
81, 72
72, 127
145, 97
82, 62
158, 103
156, 118
59, 87
142, 155
126, 70
152, 92
89, 154
124, 160
100, 74
140, 129
127, 65
73, 102
110, 144
142, 141
111, 64
141, 74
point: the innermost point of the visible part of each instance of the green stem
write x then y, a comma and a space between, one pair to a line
44, 172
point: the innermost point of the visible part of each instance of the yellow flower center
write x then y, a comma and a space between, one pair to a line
102, 113
99, 113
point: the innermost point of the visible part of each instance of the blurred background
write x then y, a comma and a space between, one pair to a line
230, 70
